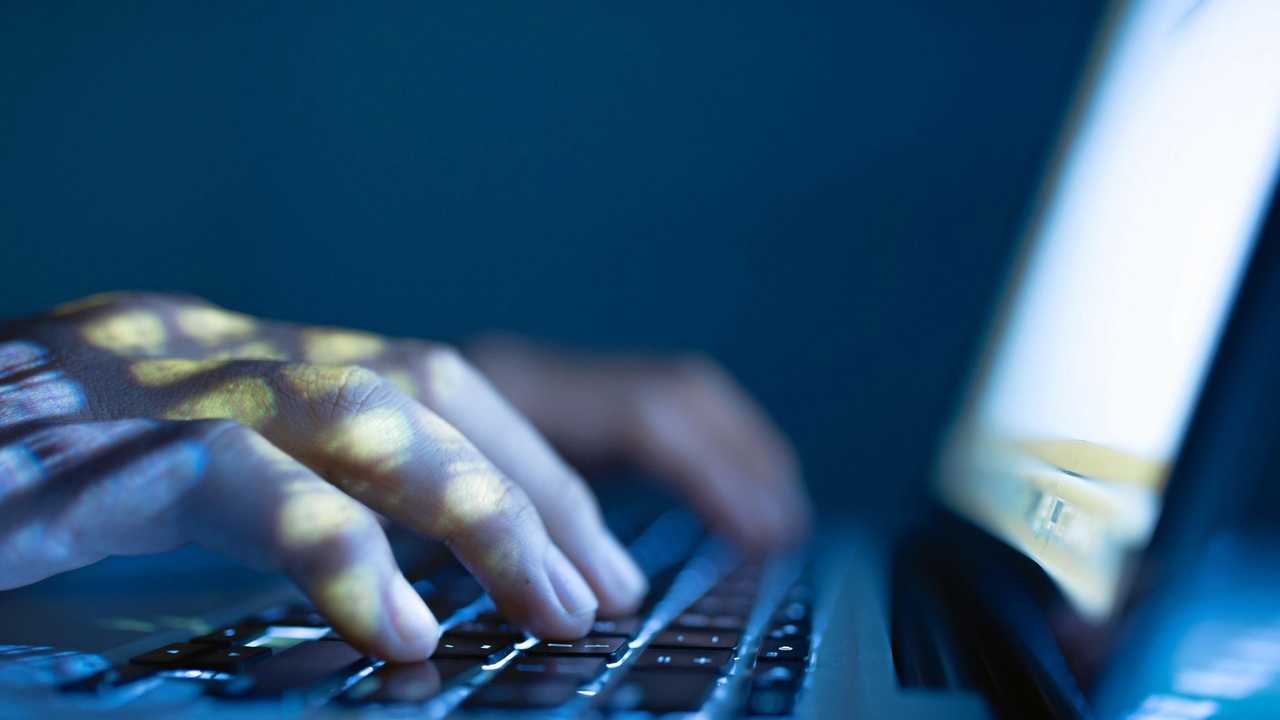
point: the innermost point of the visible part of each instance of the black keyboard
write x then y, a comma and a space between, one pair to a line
714, 632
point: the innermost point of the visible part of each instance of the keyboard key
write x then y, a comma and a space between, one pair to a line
408, 683
230, 659
772, 672
623, 627
546, 693
579, 668
702, 621
602, 645
699, 660
696, 639
315, 666
238, 634
660, 692
484, 649
177, 655
787, 649
771, 700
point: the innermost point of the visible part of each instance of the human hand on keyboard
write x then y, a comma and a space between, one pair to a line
134, 423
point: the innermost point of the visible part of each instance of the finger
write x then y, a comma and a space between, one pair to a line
458, 393
361, 433
330, 544
137, 486
737, 431
685, 422
668, 441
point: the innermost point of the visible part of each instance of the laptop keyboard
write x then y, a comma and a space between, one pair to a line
715, 634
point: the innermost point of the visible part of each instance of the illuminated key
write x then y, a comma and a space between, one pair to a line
595, 645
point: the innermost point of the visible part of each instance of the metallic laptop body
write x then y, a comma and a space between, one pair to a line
1115, 383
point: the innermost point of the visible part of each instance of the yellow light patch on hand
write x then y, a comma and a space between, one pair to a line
211, 325
158, 373
475, 491
312, 383
137, 332
313, 516
502, 559
378, 439
248, 401
335, 347
352, 600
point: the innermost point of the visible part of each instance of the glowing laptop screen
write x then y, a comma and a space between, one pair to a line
1130, 264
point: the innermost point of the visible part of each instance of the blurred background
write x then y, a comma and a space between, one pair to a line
822, 195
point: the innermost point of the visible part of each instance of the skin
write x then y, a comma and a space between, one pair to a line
134, 423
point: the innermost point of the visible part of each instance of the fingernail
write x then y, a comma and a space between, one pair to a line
573, 592
413, 622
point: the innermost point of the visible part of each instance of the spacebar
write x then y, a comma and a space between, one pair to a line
318, 667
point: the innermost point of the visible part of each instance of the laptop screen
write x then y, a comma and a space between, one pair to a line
1129, 266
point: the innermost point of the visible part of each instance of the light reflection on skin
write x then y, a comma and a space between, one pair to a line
502, 559
211, 325
338, 347
20, 356
353, 597
475, 491
312, 383
158, 373
44, 396
132, 332
377, 439
249, 401
314, 516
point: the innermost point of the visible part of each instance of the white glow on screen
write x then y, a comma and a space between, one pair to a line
1131, 266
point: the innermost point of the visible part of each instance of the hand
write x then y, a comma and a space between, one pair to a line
684, 421
136, 423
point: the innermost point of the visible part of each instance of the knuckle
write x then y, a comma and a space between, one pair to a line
359, 389
333, 392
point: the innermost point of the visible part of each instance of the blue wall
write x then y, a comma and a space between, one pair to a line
821, 194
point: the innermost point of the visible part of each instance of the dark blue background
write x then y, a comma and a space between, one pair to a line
821, 194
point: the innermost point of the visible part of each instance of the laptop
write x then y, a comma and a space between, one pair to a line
1098, 542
